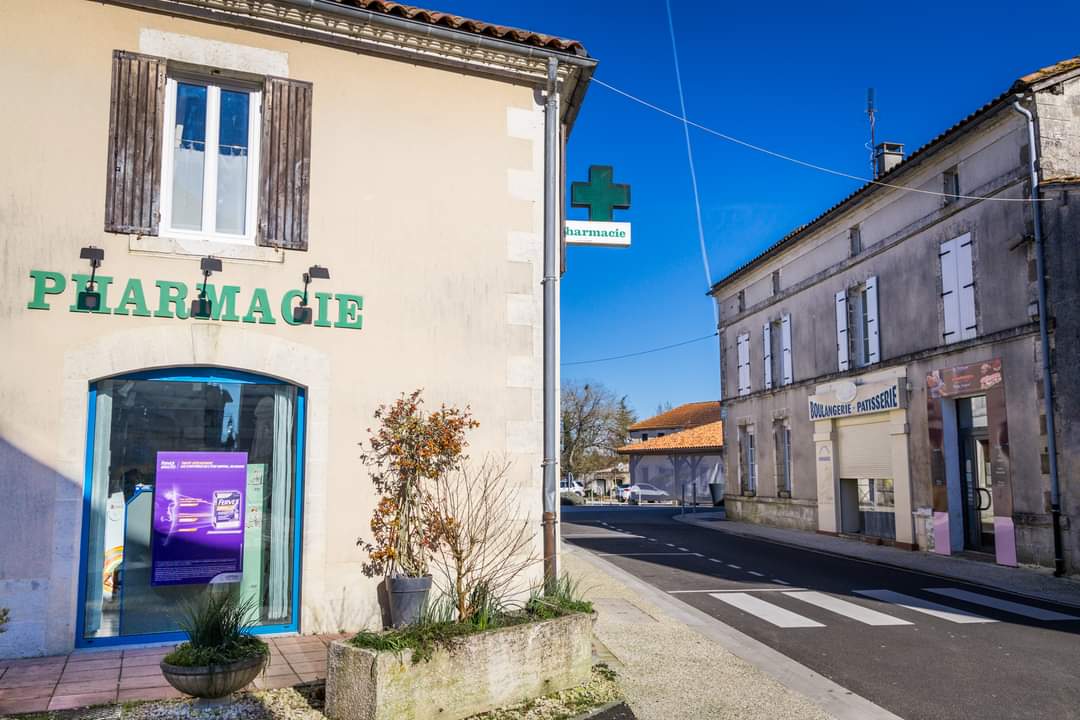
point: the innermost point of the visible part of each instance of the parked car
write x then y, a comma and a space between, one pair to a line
622, 492
569, 485
644, 492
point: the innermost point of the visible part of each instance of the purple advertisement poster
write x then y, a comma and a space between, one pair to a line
198, 517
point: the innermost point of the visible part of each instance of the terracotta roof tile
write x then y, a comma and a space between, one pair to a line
684, 416
703, 437
478, 27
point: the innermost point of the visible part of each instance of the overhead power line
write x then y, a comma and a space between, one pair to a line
788, 158
641, 352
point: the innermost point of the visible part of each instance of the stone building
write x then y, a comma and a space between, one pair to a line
319, 160
882, 365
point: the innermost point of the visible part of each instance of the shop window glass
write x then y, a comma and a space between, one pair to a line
875, 494
159, 536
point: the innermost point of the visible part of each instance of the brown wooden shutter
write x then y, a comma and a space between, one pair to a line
284, 173
133, 178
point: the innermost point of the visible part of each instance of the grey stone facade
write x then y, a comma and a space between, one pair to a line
896, 257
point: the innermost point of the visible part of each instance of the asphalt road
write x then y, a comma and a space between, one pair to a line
918, 645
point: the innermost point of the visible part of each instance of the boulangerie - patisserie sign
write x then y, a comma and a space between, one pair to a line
199, 517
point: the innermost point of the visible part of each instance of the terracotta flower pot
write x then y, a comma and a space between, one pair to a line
214, 681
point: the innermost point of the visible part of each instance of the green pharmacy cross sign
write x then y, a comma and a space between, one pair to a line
600, 195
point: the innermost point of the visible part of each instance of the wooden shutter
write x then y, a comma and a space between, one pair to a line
841, 330
870, 297
284, 167
743, 345
965, 285
950, 301
785, 349
766, 344
136, 117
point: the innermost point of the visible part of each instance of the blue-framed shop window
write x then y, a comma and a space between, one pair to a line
266, 415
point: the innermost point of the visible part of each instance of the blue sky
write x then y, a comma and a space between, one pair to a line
791, 76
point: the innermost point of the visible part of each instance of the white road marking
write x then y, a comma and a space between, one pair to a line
637, 554
917, 604
768, 612
684, 549
845, 608
734, 566
782, 582
697, 555
715, 560
999, 604
652, 539
728, 590
756, 573
670, 544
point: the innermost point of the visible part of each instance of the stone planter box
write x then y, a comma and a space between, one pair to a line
475, 674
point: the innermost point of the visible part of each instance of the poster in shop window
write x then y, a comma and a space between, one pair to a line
198, 518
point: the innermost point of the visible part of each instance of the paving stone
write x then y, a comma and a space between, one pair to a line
64, 702
80, 687
8, 707
155, 693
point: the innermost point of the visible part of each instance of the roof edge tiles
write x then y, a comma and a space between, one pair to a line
702, 438
469, 25
1025, 83
684, 416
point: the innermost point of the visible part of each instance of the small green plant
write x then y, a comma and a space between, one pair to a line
219, 631
564, 597
5, 615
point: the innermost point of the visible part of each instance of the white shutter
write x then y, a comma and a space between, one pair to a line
950, 299
965, 281
743, 345
841, 330
871, 300
785, 350
862, 451
766, 344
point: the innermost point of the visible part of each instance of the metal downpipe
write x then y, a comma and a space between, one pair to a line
1044, 338
551, 287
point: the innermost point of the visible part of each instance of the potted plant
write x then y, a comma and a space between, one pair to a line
221, 655
408, 451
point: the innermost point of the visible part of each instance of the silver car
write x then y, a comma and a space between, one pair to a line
644, 492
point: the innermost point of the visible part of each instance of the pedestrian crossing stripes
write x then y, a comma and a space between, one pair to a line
749, 602
999, 604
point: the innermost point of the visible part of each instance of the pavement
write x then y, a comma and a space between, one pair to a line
830, 632
94, 677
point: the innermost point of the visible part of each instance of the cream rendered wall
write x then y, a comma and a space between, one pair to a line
426, 198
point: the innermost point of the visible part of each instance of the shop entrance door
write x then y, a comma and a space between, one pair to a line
976, 491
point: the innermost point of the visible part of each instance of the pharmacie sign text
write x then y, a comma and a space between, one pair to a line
823, 407
172, 299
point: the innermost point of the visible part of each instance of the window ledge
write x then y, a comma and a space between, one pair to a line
202, 247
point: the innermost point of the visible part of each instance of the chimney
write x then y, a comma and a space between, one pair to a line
887, 155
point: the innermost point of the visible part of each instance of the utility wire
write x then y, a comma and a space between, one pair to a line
804, 163
690, 160
641, 352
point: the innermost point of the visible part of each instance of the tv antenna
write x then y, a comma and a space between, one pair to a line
871, 112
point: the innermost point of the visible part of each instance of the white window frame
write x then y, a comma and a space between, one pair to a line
787, 369
748, 459
742, 348
214, 87
784, 481
766, 349
958, 289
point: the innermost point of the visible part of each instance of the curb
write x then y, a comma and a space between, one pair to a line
708, 525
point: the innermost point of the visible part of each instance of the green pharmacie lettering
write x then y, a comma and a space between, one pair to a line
172, 300
45, 283
132, 295
260, 305
101, 285
172, 293
349, 307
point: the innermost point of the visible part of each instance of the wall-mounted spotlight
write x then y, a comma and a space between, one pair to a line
302, 313
201, 306
89, 299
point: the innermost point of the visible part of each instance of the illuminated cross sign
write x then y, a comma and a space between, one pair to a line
600, 195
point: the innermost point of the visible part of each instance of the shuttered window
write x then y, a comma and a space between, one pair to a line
236, 161
785, 350
842, 330
286, 160
958, 289
766, 347
747, 459
743, 350
133, 175
873, 326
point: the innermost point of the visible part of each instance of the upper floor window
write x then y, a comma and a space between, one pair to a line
207, 159
210, 160
855, 240
742, 346
857, 328
951, 178
958, 289
776, 349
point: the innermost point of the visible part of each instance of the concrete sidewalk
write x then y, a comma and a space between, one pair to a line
677, 662
1032, 582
